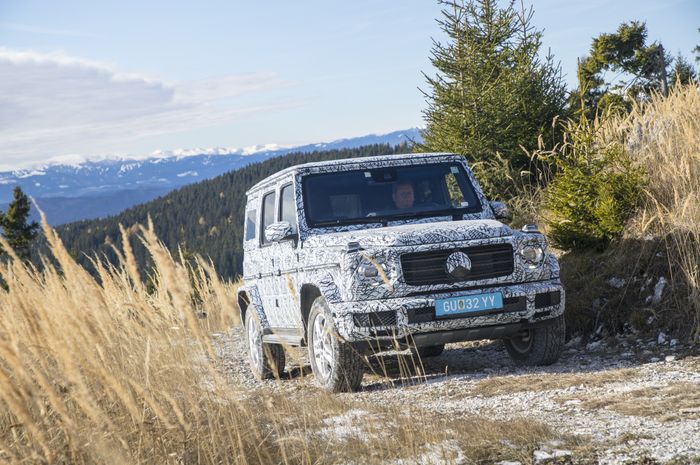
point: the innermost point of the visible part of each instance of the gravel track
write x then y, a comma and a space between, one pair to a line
480, 378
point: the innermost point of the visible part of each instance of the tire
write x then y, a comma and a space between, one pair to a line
266, 360
337, 366
429, 351
538, 346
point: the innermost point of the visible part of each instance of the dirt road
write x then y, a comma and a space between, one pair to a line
638, 400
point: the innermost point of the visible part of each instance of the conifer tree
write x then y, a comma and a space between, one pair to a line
683, 72
17, 231
642, 67
492, 93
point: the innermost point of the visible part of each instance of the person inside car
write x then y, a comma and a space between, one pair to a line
402, 194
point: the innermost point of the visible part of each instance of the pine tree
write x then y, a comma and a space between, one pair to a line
625, 52
492, 93
16, 230
683, 72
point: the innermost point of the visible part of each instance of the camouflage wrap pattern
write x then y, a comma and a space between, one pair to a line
333, 260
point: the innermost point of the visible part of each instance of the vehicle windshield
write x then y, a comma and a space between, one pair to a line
387, 194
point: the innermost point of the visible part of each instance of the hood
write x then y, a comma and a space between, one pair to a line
413, 234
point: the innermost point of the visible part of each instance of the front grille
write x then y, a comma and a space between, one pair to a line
368, 320
427, 268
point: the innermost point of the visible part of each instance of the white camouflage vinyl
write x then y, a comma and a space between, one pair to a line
275, 273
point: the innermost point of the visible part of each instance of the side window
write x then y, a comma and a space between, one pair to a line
268, 214
288, 210
250, 218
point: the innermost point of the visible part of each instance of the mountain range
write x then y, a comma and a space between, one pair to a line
204, 218
69, 192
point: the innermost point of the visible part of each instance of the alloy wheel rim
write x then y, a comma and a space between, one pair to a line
254, 346
323, 346
522, 344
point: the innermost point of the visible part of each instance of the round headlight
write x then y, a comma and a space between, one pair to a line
368, 270
532, 255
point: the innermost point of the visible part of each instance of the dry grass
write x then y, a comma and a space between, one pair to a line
665, 403
538, 383
110, 370
663, 137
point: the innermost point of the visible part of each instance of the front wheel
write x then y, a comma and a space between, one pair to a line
266, 360
336, 364
538, 346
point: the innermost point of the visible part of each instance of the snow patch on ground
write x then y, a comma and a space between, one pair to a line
344, 426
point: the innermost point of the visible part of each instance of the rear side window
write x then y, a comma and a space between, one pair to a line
250, 218
268, 214
288, 210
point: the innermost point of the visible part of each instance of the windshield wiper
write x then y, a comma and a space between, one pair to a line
455, 213
347, 221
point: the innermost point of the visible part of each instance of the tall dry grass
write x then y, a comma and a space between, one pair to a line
663, 136
108, 370
662, 239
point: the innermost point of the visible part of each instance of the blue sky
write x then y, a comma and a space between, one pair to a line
87, 78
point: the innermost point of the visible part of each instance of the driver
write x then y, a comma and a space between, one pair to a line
402, 194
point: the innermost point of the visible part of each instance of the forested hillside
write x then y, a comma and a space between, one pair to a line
204, 218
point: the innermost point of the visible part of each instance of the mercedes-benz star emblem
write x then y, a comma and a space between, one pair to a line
458, 265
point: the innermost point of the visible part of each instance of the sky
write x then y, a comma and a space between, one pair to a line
85, 79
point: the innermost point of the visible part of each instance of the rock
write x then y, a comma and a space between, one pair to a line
654, 359
561, 453
658, 290
541, 455
617, 283
508, 462
594, 346
661, 339
674, 342
670, 358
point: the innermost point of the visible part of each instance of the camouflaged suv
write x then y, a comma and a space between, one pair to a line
356, 255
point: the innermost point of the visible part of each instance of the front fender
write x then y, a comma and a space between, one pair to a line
329, 289
255, 304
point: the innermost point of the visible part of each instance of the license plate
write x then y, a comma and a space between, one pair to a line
468, 304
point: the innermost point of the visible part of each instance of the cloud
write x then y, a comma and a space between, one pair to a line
54, 104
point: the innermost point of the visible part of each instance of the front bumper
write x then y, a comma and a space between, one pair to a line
413, 317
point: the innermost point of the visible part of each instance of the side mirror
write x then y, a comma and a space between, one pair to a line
278, 231
500, 210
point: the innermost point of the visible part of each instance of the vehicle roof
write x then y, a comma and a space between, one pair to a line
346, 161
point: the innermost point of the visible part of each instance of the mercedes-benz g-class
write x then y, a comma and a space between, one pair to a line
358, 255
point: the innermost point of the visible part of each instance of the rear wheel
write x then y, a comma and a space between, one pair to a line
337, 366
538, 346
266, 360
429, 351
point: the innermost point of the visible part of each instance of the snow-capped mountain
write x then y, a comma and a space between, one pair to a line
72, 189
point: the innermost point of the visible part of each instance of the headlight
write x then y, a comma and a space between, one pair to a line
368, 270
532, 255
373, 269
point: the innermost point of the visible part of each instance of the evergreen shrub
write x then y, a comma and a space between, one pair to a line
595, 191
